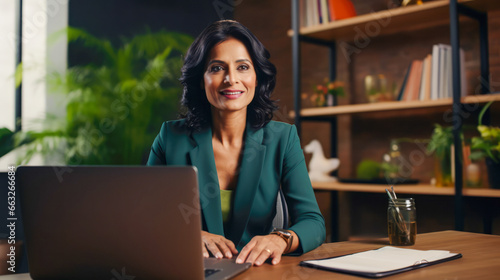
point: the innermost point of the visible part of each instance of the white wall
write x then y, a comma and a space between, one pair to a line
41, 18
8, 19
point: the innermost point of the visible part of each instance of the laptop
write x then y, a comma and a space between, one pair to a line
108, 222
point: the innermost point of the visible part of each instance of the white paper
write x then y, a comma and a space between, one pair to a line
384, 259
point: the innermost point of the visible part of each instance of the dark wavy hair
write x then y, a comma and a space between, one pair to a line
260, 110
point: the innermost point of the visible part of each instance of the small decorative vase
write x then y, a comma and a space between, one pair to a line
473, 175
330, 100
493, 173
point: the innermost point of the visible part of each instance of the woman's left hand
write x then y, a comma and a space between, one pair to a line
262, 247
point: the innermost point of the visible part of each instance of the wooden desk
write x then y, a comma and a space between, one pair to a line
481, 259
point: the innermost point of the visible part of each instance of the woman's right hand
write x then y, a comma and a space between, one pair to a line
218, 245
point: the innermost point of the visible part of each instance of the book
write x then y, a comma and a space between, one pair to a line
382, 262
415, 90
303, 13
315, 12
435, 72
403, 85
448, 72
442, 74
409, 79
463, 75
324, 11
320, 12
442, 71
425, 85
412, 87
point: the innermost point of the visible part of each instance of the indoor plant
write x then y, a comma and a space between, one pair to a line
116, 103
440, 144
6, 141
487, 146
325, 92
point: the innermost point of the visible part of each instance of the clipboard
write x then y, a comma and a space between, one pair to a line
325, 264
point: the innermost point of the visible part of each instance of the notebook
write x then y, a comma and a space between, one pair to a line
382, 262
85, 222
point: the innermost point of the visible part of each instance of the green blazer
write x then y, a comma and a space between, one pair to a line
272, 156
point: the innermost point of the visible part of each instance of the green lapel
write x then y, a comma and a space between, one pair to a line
248, 181
202, 156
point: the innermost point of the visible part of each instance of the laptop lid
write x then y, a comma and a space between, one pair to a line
88, 222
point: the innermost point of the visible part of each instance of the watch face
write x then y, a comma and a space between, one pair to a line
288, 234
283, 233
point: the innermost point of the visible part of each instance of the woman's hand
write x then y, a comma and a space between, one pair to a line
218, 245
262, 247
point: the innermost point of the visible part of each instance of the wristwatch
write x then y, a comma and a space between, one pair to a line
286, 235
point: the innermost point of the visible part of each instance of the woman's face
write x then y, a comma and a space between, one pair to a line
229, 78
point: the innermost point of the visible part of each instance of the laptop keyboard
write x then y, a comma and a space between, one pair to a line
210, 271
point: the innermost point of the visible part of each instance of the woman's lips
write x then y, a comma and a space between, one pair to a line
231, 94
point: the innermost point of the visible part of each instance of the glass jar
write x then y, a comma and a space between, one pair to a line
393, 161
402, 221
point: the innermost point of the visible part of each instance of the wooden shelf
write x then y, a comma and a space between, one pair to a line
392, 21
420, 189
391, 106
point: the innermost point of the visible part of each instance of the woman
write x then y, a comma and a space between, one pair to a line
242, 156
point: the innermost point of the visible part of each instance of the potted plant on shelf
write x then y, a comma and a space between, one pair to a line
325, 93
440, 144
487, 146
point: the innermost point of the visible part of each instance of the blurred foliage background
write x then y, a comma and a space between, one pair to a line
116, 103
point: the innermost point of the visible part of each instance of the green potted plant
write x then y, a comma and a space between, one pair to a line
440, 144
116, 103
487, 146
326, 92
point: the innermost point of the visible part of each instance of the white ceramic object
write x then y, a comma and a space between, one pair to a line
320, 166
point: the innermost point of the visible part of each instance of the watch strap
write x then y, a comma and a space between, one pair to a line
286, 235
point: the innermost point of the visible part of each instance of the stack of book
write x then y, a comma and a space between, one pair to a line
431, 78
314, 12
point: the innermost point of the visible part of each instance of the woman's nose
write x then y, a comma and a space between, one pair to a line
230, 77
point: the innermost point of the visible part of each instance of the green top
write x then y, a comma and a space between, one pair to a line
225, 204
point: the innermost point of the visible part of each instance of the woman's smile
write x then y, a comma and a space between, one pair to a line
231, 93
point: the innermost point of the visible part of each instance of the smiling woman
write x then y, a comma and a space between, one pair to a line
243, 158
260, 110
229, 79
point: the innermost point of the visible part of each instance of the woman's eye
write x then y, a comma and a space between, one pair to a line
216, 68
243, 67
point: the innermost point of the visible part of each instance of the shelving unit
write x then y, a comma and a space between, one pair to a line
391, 106
405, 189
430, 14
403, 19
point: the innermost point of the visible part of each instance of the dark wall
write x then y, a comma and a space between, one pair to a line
114, 19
